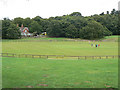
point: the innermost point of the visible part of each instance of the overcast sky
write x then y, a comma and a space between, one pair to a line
52, 8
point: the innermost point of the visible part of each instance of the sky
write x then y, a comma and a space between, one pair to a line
52, 8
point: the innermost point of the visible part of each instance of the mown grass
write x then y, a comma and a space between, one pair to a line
44, 73
113, 36
70, 48
49, 73
33, 38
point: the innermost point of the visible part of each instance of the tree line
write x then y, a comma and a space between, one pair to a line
73, 25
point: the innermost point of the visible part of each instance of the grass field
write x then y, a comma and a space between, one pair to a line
71, 48
43, 73
59, 73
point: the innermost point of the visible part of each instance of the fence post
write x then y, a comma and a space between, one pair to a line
13, 55
2, 54
85, 57
25, 56
32, 56
113, 56
7, 54
39, 56
78, 57
19, 55
118, 56
106, 57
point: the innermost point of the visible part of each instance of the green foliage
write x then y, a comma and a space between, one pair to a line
13, 32
18, 21
35, 27
5, 25
93, 30
44, 23
109, 21
113, 12
0, 29
54, 29
27, 22
102, 13
10, 30
76, 14
79, 22
107, 32
108, 12
37, 18
71, 31
66, 26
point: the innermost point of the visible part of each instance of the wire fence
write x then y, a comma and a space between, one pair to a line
57, 56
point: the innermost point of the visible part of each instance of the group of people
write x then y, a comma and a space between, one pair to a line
96, 45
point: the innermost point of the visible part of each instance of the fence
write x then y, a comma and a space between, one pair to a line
57, 56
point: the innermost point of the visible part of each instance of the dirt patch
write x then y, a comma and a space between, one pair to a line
42, 85
88, 81
45, 75
107, 85
29, 86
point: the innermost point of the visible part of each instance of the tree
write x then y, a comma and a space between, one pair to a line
108, 12
57, 28
44, 23
18, 21
26, 22
13, 32
76, 14
113, 11
35, 27
118, 22
78, 22
37, 18
93, 30
102, 13
109, 21
5, 25
54, 28
71, 31
0, 29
